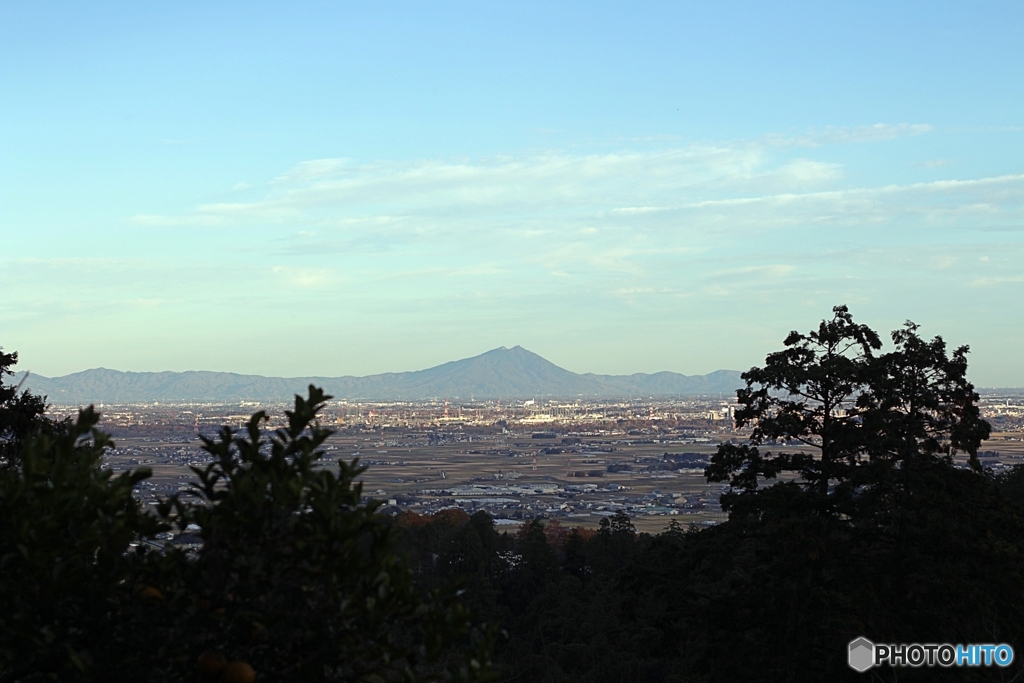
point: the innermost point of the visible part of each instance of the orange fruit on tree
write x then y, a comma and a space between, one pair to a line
151, 593
211, 663
238, 672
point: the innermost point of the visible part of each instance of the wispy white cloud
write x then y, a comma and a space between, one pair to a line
831, 135
693, 190
769, 271
998, 280
625, 215
308, 278
476, 270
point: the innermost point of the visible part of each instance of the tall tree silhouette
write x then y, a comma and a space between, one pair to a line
22, 414
860, 416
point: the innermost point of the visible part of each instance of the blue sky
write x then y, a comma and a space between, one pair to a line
348, 188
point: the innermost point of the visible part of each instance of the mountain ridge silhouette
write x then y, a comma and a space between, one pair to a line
499, 373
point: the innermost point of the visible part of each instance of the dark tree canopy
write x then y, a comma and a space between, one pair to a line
865, 415
22, 414
919, 404
65, 527
296, 576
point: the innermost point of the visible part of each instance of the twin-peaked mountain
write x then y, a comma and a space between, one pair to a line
501, 373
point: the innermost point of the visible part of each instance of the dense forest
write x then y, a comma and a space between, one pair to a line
890, 530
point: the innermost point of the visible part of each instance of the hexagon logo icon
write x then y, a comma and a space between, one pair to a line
861, 654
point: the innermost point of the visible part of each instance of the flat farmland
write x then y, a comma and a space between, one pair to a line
576, 473
512, 478
518, 480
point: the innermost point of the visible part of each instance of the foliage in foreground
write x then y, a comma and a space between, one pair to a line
22, 414
759, 598
65, 525
295, 577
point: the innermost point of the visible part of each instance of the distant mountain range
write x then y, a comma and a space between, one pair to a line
501, 373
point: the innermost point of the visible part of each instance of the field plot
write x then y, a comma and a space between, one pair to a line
576, 464
528, 478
